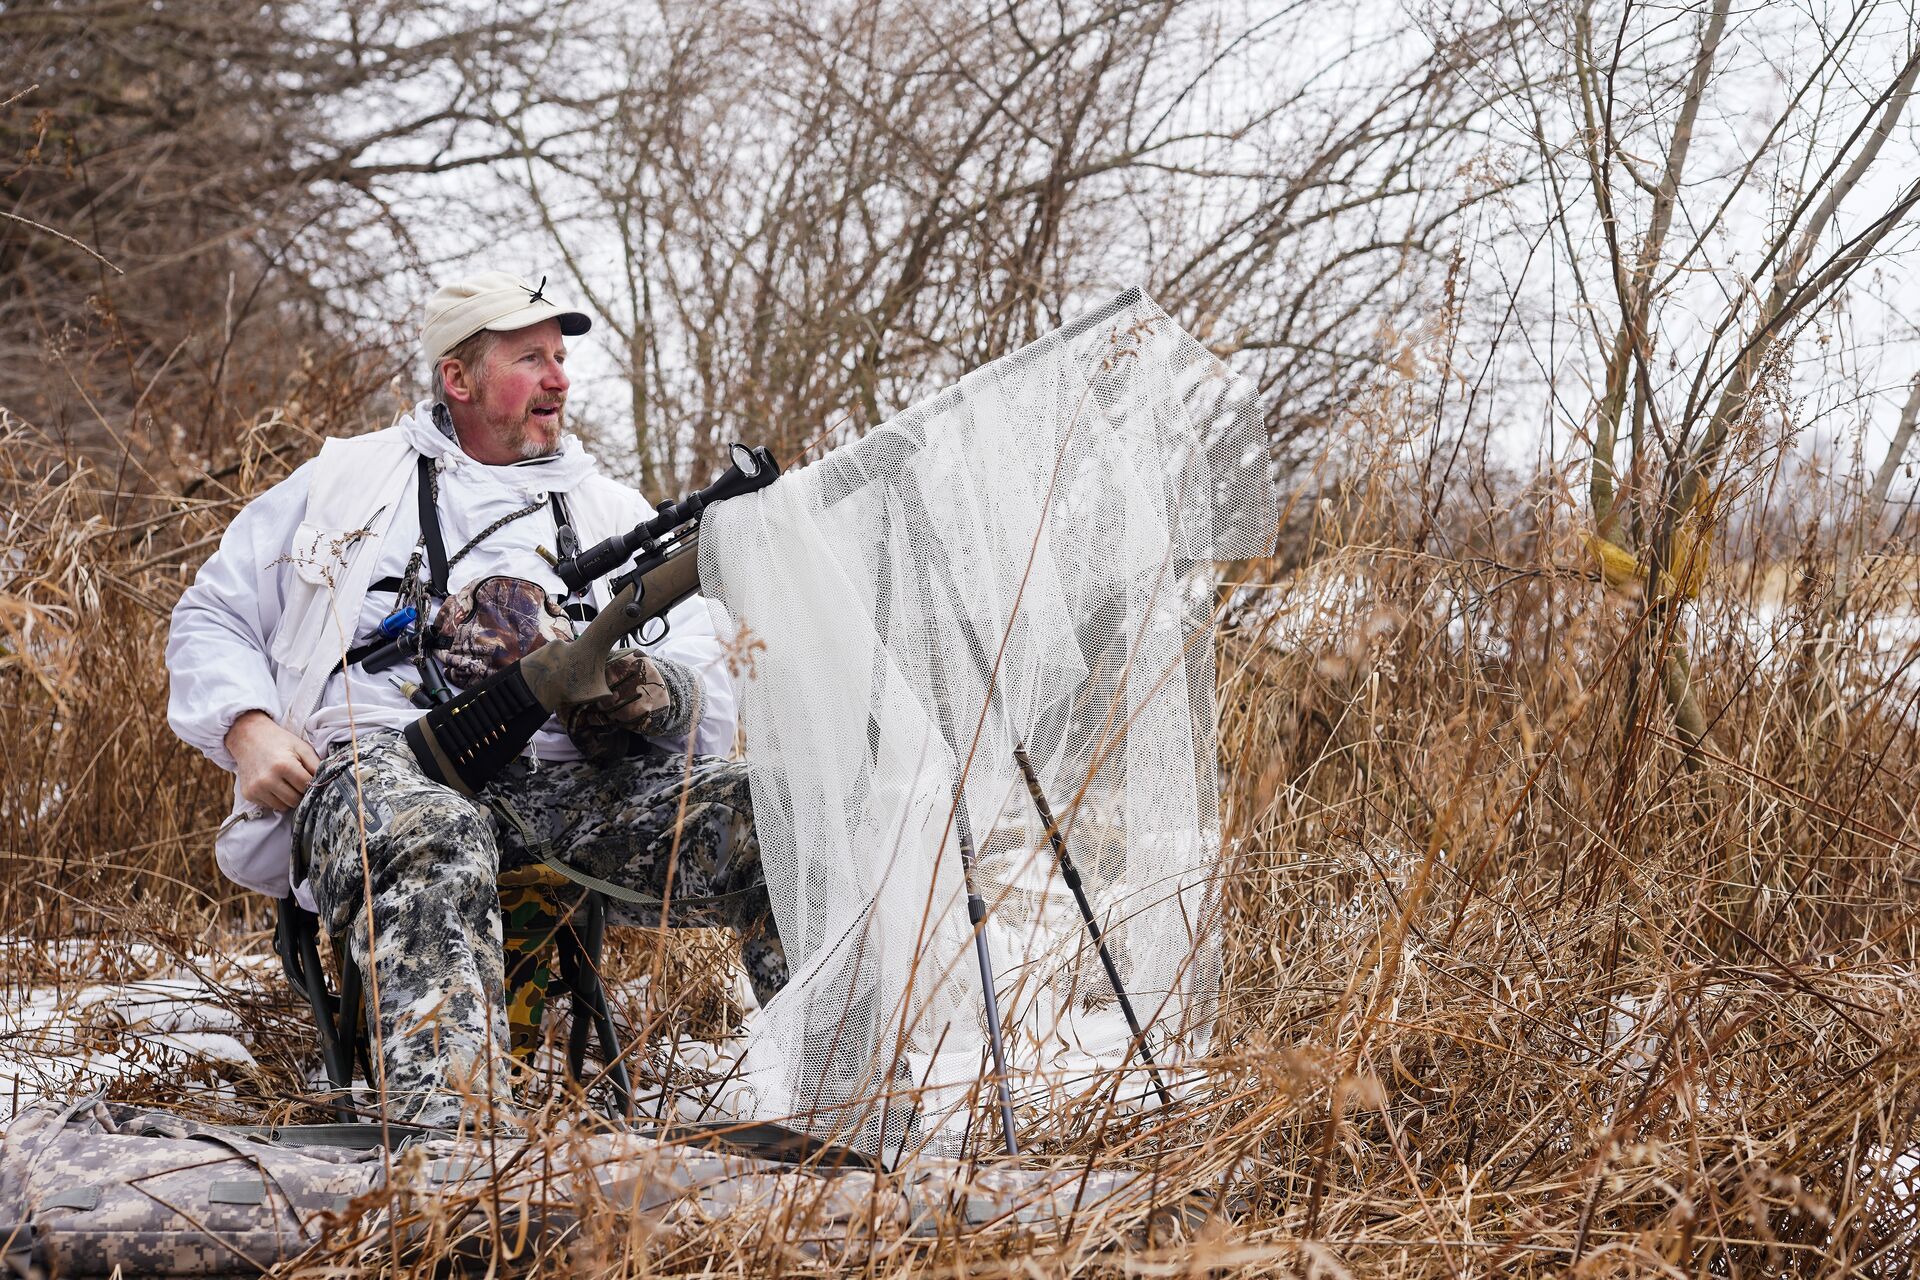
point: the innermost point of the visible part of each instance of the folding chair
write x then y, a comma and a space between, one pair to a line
542, 913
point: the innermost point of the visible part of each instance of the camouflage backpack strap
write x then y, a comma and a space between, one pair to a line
543, 850
249, 1154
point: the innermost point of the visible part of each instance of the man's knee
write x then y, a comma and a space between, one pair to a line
719, 798
393, 830
433, 832
726, 782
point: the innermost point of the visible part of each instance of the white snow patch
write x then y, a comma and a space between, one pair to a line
172, 1026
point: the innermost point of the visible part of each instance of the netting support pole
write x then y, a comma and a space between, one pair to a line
977, 913
1071, 874
941, 568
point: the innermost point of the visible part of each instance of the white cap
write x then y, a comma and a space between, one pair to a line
493, 300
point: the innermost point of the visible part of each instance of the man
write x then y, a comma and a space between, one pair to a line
280, 673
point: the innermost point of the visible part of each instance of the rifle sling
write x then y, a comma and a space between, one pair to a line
543, 850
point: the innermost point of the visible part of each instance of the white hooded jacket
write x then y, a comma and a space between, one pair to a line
272, 612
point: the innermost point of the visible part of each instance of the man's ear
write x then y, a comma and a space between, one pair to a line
456, 379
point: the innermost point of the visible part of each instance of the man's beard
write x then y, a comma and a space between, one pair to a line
520, 436
528, 445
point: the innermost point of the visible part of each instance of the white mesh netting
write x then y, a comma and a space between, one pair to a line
1023, 558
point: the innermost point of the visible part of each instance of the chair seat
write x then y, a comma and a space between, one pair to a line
534, 900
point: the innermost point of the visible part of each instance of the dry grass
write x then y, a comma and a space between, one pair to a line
1513, 986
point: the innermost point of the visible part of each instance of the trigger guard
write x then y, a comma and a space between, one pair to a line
653, 637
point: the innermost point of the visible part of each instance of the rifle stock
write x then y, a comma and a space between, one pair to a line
570, 671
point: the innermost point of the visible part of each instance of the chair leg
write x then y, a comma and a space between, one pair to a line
576, 1041
580, 943
347, 1031
337, 1020
615, 1056
573, 972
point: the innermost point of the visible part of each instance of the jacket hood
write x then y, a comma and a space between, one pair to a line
560, 471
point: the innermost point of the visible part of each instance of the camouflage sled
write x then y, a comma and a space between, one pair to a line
90, 1189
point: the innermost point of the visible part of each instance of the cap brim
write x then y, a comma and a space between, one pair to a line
572, 323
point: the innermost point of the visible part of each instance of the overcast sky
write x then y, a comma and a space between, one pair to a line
1520, 350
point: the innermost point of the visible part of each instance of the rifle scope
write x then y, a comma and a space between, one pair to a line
750, 469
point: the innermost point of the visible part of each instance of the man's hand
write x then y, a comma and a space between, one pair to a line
275, 766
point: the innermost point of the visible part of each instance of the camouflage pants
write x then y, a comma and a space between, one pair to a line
431, 857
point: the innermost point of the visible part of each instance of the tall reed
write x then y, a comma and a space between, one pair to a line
1510, 985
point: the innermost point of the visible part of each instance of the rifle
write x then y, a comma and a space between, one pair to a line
465, 743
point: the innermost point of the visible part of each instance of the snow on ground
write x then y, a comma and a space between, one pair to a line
95, 1015
81, 1016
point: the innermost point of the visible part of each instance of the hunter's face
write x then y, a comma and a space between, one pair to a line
520, 393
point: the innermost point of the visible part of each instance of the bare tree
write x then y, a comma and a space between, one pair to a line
817, 216
1697, 343
196, 192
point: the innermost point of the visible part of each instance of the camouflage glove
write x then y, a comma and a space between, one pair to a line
655, 697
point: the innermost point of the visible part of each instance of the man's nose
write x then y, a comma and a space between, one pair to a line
556, 379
